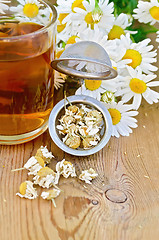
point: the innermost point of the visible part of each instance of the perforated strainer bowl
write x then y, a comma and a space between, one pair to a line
58, 111
87, 60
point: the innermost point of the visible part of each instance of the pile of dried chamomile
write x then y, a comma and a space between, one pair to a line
80, 126
45, 177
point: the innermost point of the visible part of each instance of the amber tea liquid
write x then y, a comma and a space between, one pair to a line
26, 80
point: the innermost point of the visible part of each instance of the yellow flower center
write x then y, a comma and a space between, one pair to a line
40, 161
31, 10
43, 172
22, 188
135, 56
94, 17
88, 18
77, 3
92, 84
115, 32
115, 115
137, 85
60, 27
72, 39
154, 11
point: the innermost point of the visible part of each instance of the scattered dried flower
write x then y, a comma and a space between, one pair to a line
27, 190
88, 175
34, 164
44, 154
51, 194
65, 169
46, 177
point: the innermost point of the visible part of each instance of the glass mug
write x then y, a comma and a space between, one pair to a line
27, 47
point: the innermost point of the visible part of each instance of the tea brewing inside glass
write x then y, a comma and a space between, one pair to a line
27, 47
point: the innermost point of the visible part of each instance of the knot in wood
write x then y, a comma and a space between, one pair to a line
95, 202
116, 195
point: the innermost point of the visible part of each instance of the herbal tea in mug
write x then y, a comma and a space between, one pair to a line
27, 34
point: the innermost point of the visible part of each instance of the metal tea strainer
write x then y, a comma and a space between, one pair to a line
87, 60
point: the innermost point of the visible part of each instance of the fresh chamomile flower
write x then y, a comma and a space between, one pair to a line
3, 6
65, 169
68, 34
63, 36
88, 175
46, 177
119, 27
30, 10
137, 85
94, 88
65, 27
92, 14
34, 164
26, 190
122, 118
135, 54
147, 12
108, 97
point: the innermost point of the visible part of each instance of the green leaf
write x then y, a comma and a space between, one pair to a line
143, 31
124, 6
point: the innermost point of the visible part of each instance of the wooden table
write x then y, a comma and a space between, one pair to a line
121, 204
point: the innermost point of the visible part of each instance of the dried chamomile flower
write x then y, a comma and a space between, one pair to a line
34, 164
88, 142
88, 175
44, 154
73, 108
71, 129
73, 141
51, 194
27, 190
94, 117
83, 130
46, 177
65, 169
67, 120
80, 113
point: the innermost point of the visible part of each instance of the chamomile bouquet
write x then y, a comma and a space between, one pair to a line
121, 28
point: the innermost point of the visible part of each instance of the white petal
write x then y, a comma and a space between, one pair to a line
153, 84
137, 101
